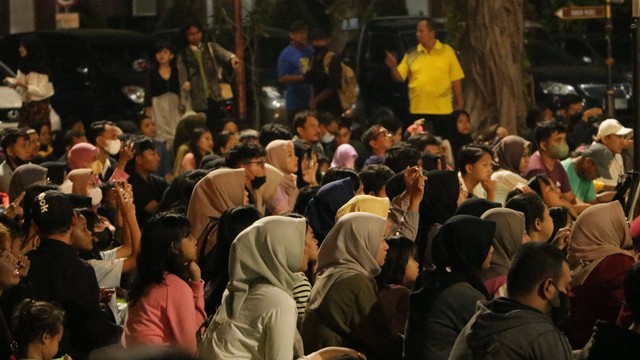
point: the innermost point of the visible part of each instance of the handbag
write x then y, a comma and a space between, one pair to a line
226, 92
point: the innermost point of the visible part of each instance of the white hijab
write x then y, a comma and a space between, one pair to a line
350, 248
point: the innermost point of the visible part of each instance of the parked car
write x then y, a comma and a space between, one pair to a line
95, 73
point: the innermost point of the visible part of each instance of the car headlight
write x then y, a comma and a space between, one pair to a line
274, 98
557, 88
134, 93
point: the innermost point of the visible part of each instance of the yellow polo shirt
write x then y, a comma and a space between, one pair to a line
430, 76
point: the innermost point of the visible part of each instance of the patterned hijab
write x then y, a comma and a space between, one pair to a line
350, 248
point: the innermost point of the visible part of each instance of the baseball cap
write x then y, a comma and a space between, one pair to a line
51, 211
610, 127
601, 157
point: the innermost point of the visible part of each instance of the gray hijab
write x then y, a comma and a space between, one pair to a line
510, 228
350, 248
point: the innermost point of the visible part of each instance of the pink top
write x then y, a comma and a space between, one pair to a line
167, 315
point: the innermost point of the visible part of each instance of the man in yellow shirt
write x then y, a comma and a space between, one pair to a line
434, 75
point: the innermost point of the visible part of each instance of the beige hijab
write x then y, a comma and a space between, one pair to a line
215, 193
267, 191
269, 251
277, 156
599, 231
365, 203
507, 240
80, 179
350, 248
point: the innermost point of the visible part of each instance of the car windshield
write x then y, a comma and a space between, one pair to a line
117, 57
544, 54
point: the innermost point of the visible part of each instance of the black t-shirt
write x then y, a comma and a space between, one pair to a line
144, 192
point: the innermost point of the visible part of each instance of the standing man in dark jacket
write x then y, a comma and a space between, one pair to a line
58, 275
199, 72
523, 325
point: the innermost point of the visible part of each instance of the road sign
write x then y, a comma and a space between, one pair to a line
581, 12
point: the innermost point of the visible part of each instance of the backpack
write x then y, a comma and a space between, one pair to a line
348, 91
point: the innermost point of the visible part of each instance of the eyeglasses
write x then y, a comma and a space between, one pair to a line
384, 133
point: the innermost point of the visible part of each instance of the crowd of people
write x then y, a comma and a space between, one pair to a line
180, 235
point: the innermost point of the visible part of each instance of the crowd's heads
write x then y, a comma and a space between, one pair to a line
377, 139
462, 122
244, 152
538, 222
476, 160
401, 156
273, 131
400, 266
37, 322
306, 126
146, 155
424, 142
298, 32
52, 213
551, 137
73, 137
191, 33
9, 275
596, 161
223, 141
104, 135
536, 268
612, 134
15, 143
374, 178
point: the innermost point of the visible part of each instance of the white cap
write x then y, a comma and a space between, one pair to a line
610, 127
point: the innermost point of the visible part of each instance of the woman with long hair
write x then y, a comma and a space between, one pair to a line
37, 330
200, 145
166, 304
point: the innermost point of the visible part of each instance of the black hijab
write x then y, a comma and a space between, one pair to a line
321, 210
36, 59
459, 249
476, 207
458, 140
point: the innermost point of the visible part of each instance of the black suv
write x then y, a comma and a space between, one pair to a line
95, 73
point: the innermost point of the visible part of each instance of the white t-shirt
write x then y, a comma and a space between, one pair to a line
109, 269
478, 191
505, 182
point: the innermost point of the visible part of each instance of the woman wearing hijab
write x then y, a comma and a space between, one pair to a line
444, 298
510, 234
344, 309
257, 317
476, 207
83, 156
511, 155
56, 171
281, 154
461, 136
32, 81
217, 192
598, 262
83, 183
23, 176
323, 207
365, 203
442, 195
344, 157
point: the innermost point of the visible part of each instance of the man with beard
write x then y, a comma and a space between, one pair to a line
15, 144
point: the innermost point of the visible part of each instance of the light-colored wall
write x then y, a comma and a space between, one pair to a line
22, 16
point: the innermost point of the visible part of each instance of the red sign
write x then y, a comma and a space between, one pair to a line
581, 12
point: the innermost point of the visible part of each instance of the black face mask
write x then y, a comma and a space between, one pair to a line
104, 238
258, 181
561, 311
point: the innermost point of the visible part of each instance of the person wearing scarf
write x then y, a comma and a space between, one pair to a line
461, 136
344, 309
344, 157
365, 203
23, 177
321, 210
510, 235
217, 192
442, 195
598, 262
476, 207
511, 155
257, 317
444, 298
281, 155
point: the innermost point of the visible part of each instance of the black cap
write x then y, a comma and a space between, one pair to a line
298, 26
317, 34
52, 212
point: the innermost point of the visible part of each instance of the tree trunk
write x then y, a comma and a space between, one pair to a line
492, 44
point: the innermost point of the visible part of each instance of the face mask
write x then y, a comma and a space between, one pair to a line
559, 151
327, 138
96, 196
258, 181
104, 238
561, 311
113, 146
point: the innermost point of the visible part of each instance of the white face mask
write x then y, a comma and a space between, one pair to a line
96, 196
327, 138
113, 146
